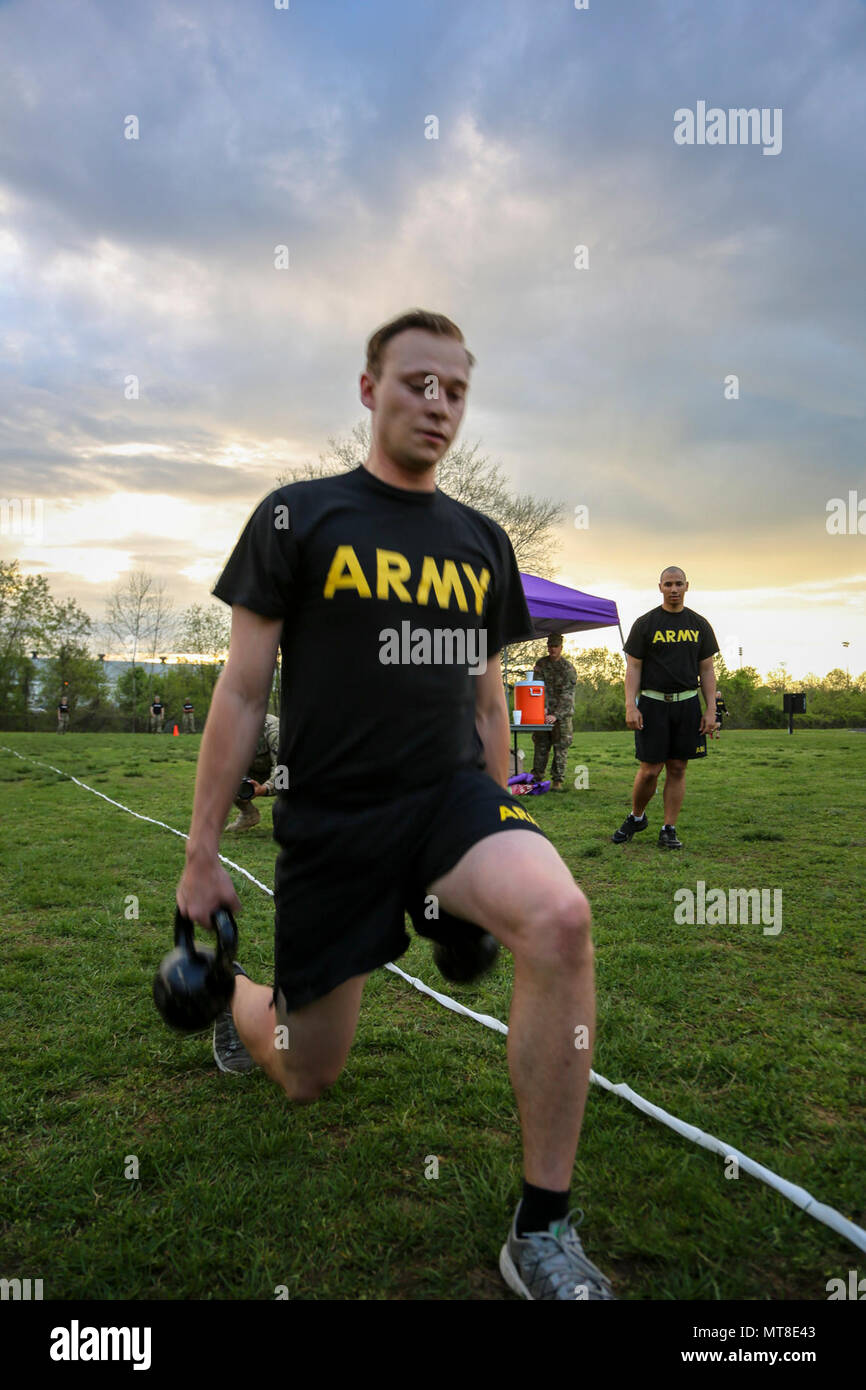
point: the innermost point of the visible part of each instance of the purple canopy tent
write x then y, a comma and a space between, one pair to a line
555, 608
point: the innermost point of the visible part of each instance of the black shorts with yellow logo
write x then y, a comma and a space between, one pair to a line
346, 877
671, 729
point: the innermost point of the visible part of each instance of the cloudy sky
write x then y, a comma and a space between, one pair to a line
602, 384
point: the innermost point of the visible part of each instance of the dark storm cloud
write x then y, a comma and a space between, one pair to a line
154, 257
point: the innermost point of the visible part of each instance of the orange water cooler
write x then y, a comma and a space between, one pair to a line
529, 699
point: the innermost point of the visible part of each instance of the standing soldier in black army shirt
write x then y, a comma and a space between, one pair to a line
669, 654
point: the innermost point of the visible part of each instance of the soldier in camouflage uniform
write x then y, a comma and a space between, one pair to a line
63, 715
188, 716
560, 681
157, 715
264, 763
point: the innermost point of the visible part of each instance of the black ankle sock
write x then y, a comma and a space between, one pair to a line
539, 1207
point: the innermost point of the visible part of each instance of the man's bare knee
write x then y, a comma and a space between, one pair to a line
303, 1090
559, 932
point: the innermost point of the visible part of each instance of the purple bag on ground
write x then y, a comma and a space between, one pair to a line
538, 788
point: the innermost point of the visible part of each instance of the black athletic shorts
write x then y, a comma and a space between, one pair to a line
671, 729
345, 878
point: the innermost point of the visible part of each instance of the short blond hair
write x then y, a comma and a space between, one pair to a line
415, 318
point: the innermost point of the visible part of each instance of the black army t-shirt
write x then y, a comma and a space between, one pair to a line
390, 599
671, 645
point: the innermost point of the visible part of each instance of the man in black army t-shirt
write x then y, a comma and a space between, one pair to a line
386, 809
669, 650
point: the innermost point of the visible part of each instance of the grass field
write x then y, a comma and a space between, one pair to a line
754, 1038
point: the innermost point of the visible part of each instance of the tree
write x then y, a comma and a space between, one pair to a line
138, 616
600, 695
25, 610
204, 632
738, 692
31, 620
837, 679
477, 482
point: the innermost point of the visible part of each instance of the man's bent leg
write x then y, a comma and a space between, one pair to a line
514, 885
644, 787
675, 788
304, 1050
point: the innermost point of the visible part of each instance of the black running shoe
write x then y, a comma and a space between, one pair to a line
668, 838
229, 1052
630, 826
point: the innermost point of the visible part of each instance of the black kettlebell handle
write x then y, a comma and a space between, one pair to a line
223, 924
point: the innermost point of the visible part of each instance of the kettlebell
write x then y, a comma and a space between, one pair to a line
194, 983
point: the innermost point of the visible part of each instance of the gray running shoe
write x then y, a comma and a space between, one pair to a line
229, 1052
552, 1265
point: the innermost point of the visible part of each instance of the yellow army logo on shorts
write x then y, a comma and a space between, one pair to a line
517, 813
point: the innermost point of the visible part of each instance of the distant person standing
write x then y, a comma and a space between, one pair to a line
188, 717
669, 651
721, 710
63, 715
264, 764
157, 715
560, 682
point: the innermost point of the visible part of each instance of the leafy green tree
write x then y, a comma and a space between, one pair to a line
32, 620
738, 692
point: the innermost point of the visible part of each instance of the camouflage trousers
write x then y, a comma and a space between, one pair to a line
560, 737
155, 723
189, 724
63, 723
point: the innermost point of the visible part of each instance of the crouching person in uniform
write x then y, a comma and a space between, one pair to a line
264, 764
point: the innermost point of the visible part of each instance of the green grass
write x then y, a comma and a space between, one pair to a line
756, 1039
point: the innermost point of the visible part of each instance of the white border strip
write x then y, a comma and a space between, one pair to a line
798, 1195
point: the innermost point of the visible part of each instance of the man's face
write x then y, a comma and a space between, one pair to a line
673, 586
416, 418
555, 652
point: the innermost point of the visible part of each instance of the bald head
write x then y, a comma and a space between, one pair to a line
672, 586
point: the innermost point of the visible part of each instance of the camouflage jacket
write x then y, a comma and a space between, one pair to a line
268, 746
560, 681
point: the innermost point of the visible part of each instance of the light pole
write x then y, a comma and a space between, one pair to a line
846, 645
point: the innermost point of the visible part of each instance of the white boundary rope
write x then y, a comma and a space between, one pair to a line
798, 1195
